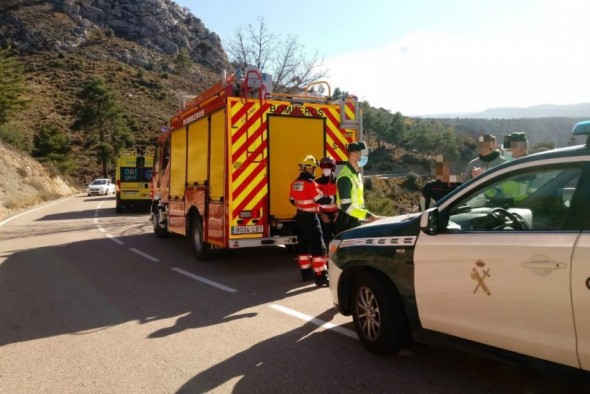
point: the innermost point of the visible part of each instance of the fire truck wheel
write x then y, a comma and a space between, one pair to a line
200, 248
159, 230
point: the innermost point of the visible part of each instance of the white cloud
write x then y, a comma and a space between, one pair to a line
428, 73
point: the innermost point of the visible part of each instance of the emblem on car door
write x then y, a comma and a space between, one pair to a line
479, 277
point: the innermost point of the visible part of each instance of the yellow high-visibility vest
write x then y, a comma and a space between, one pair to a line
357, 200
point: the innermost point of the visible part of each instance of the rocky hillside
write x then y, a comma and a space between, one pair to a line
24, 182
158, 25
133, 45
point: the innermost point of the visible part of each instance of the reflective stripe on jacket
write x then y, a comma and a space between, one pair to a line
327, 186
305, 194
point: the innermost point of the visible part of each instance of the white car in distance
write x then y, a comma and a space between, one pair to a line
99, 186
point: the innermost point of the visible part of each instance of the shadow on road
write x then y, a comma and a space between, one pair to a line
307, 360
87, 285
66, 289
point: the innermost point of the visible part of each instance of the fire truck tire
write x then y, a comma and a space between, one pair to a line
159, 230
200, 248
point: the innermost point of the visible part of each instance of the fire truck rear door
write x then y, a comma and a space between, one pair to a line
290, 139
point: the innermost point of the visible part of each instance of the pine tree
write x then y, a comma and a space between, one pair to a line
53, 146
12, 86
101, 117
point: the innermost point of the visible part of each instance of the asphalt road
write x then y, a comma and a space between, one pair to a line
92, 302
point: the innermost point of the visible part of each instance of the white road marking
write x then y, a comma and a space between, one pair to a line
32, 210
115, 239
204, 280
297, 289
313, 320
147, 256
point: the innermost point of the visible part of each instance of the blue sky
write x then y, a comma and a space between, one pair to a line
424, 57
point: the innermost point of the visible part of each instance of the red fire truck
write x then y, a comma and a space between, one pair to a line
223, 167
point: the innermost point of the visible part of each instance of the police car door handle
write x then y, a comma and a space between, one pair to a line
543, 264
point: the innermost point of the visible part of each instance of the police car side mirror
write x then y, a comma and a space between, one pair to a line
429, 221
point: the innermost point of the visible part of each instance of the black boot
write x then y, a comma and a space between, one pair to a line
306, 275
322, 279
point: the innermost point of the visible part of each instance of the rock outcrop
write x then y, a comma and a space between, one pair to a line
159, 25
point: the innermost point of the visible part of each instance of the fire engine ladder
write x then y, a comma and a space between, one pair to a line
304, 96
258, 86
210, 94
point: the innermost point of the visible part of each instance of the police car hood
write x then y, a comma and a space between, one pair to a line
386, 226
394, 219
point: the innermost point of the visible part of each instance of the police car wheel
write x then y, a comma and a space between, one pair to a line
379, 317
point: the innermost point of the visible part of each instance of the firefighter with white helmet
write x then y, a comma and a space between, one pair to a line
328, 212
307, 197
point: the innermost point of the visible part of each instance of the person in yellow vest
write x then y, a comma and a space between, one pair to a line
350, 195
515, 146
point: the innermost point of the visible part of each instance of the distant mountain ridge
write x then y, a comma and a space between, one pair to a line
581, 110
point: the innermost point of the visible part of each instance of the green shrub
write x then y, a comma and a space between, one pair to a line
413, 182
381, 206
14, 137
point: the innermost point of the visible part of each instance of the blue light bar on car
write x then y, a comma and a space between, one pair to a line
582, 128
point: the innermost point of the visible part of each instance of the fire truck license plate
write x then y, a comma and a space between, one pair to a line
247, 229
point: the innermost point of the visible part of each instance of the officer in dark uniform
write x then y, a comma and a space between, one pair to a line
441, 186
307, 197
328, 212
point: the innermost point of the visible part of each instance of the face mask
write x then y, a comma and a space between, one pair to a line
508, 155
327, 172
363, 161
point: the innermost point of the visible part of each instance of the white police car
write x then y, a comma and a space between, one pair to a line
500, 265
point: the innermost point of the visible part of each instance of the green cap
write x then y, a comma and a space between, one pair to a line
514, 137
356, 146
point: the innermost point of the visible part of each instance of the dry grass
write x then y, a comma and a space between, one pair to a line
24, 182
